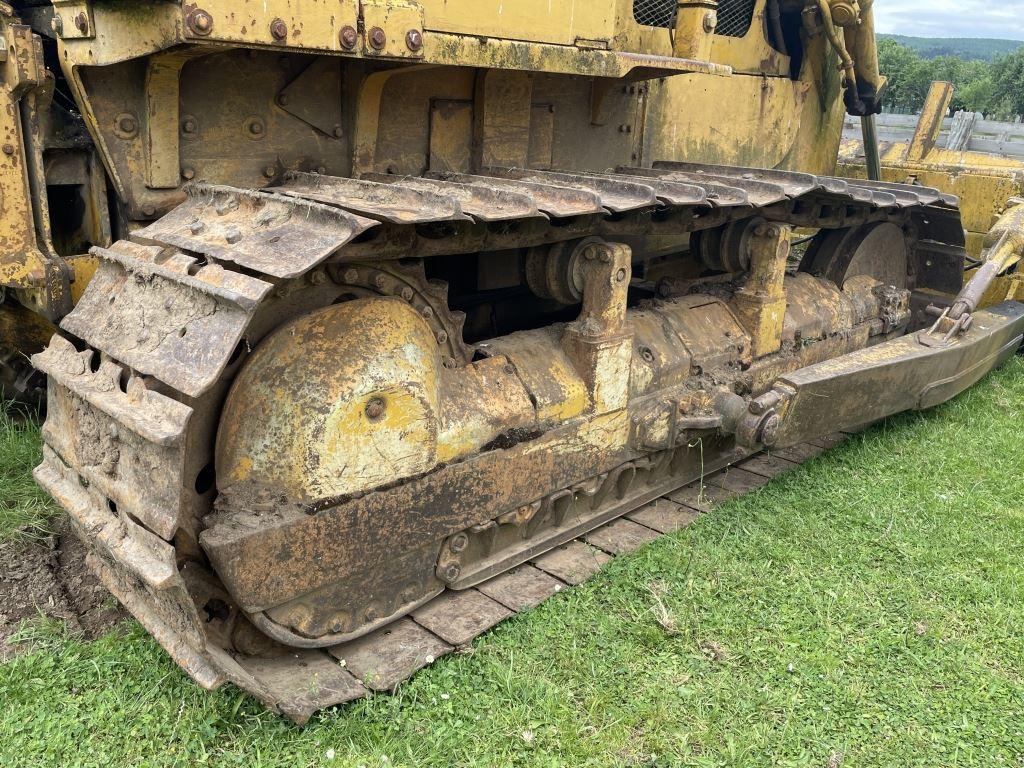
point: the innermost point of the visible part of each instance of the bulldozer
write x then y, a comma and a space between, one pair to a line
355, 316
990, 185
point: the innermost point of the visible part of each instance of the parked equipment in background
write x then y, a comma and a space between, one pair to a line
982, 162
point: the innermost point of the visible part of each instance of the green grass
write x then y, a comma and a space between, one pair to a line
864, 610
24, 508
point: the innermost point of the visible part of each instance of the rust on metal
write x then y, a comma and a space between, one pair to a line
428, 337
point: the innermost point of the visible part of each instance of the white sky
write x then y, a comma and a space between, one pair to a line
951, 18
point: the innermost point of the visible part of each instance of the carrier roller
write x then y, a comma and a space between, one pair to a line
266, 425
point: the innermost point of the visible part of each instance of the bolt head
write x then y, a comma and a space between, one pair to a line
620, 275
375, 409
451, 572
148, 210
270, 172
378, 39
8, 149
459, 542
58, 24
348, 37
82, 23
188, 173
127, 125
768, 433
188, 125
414, 40
710, 21
278, 29
200, 22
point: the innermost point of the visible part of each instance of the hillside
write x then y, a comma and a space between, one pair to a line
967, 48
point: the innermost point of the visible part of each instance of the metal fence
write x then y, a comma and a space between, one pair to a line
965, 130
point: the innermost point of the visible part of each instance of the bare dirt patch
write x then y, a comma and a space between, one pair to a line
49, 579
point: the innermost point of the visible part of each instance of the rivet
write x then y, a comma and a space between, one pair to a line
188, 173
442, 337
270, 171
407, 293
188, 125
348, 37
375, 409
278, 29
148, 210
8, 149
378, 39
414, 39
458, 542
128, 125
195, 227
338, 132
232, 235
200, 22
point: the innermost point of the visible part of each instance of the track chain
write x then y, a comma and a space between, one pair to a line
145, 359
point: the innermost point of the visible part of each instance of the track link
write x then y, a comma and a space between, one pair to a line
142, 366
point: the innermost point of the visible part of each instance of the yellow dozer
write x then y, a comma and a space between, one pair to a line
990, 186
368, 310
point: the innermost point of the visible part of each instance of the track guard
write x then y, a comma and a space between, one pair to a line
912, 372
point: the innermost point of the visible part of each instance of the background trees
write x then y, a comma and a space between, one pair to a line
994, 88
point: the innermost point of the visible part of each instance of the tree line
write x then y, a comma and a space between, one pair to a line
995, 88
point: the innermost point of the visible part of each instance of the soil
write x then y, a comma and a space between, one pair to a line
49, 578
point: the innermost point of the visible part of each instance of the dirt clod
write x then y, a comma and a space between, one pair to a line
48, 578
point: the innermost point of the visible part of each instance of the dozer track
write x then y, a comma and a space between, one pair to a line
139, 376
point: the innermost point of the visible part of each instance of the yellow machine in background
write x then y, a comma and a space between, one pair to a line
990, 188
395, 299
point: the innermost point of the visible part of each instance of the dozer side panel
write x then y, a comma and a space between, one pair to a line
761, 117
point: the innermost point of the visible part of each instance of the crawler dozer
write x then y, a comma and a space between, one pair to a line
990, 185
389, 302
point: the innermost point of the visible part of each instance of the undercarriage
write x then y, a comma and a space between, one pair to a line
320, 421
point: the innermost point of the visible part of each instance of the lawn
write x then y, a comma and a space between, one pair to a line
862, 610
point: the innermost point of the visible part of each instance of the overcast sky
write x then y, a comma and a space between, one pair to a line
951, 18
